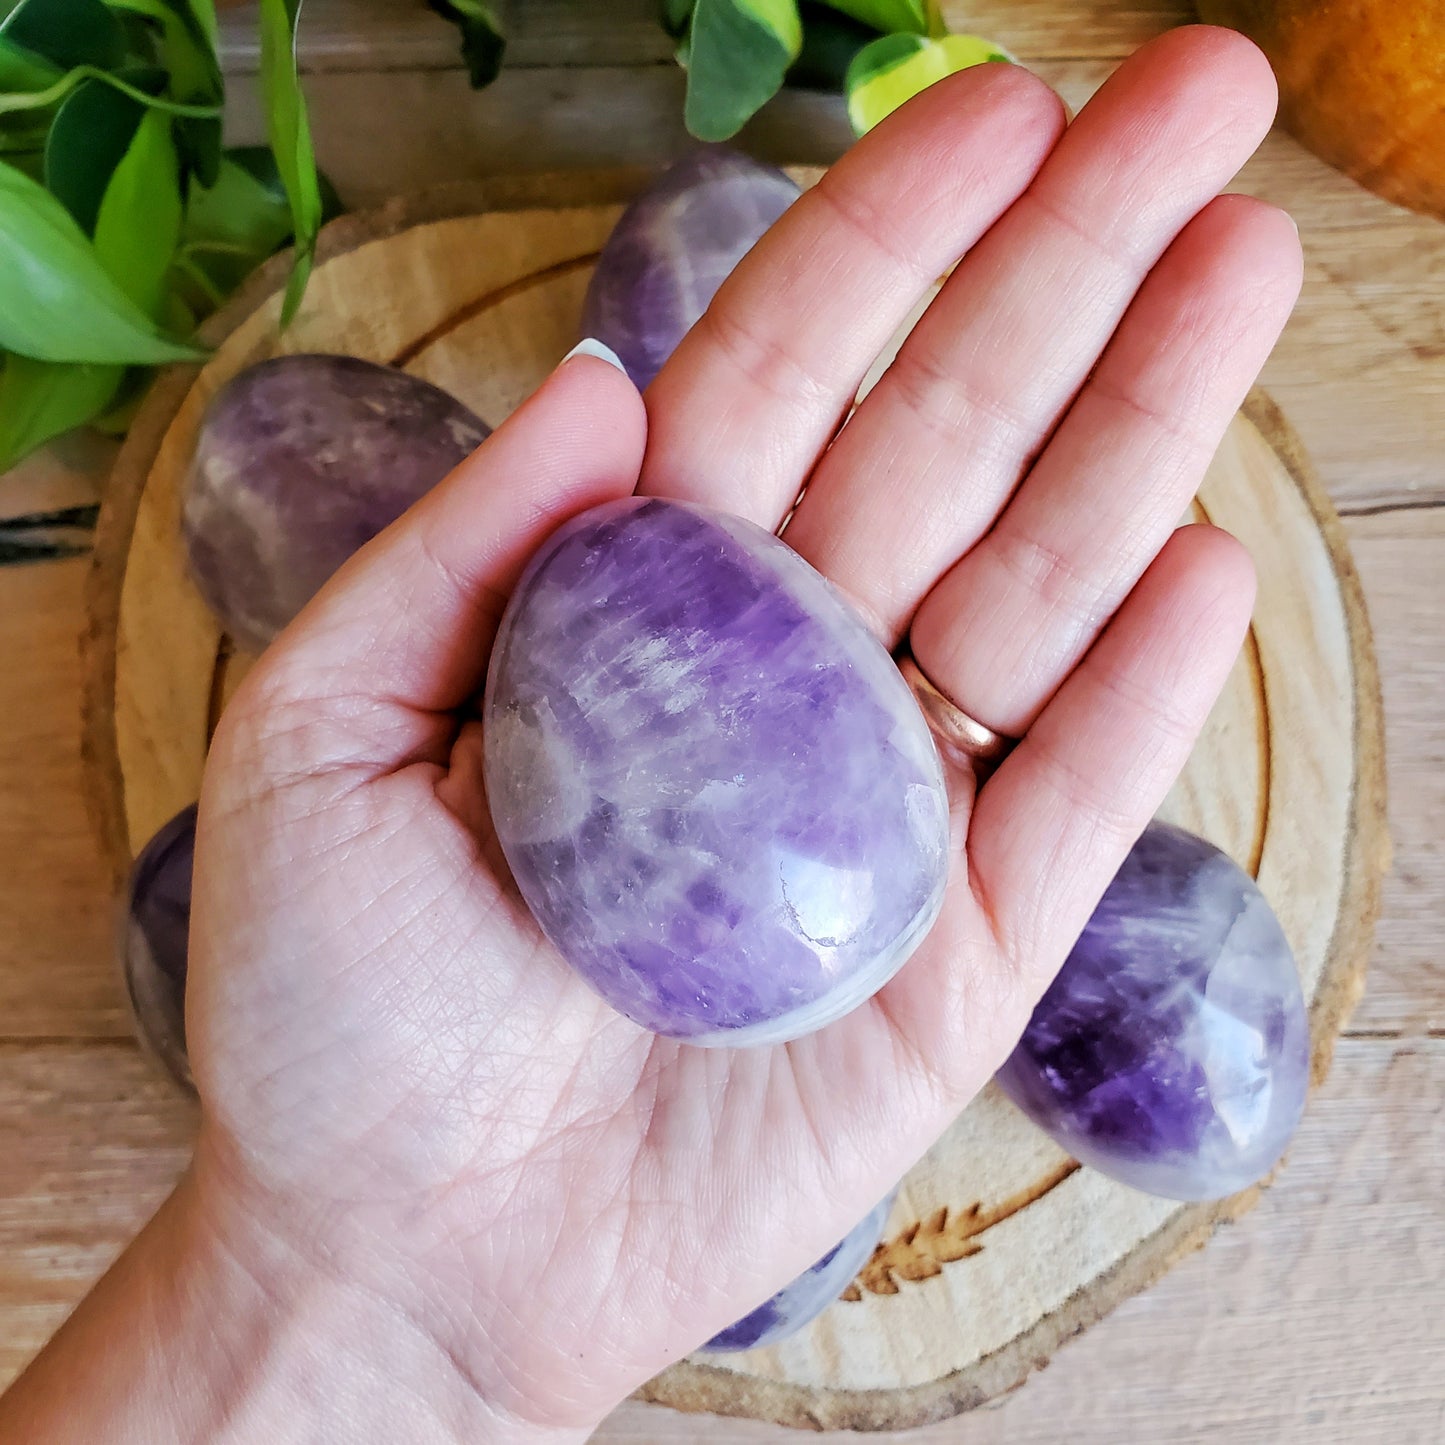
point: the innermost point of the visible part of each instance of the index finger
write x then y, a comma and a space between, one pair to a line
749, 400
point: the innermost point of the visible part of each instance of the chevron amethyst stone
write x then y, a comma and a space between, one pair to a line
673, 248
1172, 1050
802, 1300
713, 787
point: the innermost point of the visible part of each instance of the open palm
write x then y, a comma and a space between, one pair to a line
400, 1079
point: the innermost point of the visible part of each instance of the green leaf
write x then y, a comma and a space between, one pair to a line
22, 137
830, 41
28, 162
205, 13
57, 302
140, 218
260, 164
231, 227
66, 32
289, 132
21, 70
23, 74
41, 399
483, 38
738, 52
674, 15
886, 16
91, 132
895, 68
187, 49
120, 410
199, 143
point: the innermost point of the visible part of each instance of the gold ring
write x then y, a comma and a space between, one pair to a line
965, 737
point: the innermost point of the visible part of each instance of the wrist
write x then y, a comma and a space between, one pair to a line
214, 1327
321, 1348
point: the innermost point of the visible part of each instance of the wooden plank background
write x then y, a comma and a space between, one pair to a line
1316, 1318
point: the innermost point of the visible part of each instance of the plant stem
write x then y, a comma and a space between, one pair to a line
39, 99
198, 278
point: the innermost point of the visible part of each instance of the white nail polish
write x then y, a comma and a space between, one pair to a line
590, 346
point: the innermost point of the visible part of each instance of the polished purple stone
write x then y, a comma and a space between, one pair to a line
155, 930
673, 247
713, 787
805, 1298
1172, 1050
300, 461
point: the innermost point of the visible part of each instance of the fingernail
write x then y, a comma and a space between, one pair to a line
590, 346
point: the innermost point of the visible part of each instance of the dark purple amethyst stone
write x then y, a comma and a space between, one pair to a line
1172, 1050
673, 247
300, 461
805, 1298
154, 944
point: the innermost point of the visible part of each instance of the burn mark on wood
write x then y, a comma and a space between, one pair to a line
47, 536
481, 304
946, 1236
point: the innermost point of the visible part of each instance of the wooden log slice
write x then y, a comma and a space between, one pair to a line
1000, 1246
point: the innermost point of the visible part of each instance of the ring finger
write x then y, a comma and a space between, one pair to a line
1006, 625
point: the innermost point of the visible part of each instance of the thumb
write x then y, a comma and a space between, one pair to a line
401, 634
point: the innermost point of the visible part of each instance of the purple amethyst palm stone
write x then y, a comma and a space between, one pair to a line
715, 791
802, 1300
300, 461
673, 247
154, 942
1172, 1050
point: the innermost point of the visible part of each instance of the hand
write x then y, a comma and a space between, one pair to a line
404, 1089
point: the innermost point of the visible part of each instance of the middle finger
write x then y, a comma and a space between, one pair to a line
740, 412
925, 465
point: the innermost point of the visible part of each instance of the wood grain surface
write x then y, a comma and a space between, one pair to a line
1317, 1317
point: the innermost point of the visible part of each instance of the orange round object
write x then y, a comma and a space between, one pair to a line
1362, 84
